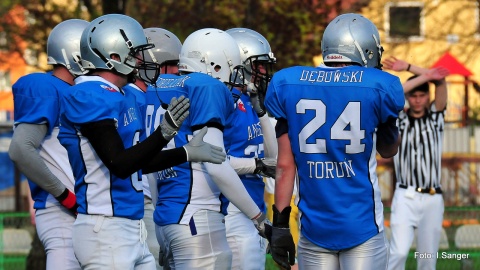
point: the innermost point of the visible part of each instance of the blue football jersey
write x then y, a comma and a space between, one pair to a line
187, 188
37, 99
140, 98
332, 115
243, 138
99, 191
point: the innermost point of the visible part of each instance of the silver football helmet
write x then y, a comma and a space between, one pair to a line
63, 45
120, 35
213, 52
352, 38
166, 51
257, 57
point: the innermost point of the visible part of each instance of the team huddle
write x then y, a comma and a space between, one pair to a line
146, 153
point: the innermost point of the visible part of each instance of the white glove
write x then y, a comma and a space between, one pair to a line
200, 151
260, 222
266, 167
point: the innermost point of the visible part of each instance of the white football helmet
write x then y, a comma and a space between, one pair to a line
213, 52
352, 38
254, 50
166, 51
115, 34
63, 45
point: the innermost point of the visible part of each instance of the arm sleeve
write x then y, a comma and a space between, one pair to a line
388, 132
269, 140
242, 165
123, 162
227, 179
23, 152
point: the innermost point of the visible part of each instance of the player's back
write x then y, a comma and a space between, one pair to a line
37, 101
332, 115
186, 188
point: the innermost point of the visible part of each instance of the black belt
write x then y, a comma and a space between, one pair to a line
430, 191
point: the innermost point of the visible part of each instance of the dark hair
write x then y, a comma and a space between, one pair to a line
424, 87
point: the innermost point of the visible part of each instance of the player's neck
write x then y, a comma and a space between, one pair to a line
63, 74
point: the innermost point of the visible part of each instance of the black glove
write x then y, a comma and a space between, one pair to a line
266, 167
280, 239
68, 200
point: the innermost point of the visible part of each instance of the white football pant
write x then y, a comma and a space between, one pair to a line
102, 242
55, 228
248, 247
202, 245
372, 254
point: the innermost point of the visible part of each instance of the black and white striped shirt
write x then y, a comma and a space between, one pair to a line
418, 161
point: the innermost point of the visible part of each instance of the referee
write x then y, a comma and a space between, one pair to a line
417, 201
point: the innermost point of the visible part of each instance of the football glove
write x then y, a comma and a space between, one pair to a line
68, 200
173, 118
280, 239
257, 104
260, 223
200, 151
266, 167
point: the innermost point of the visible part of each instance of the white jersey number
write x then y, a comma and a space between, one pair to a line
135, 177
152, 121
349, 118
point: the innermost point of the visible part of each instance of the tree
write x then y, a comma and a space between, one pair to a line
293, 28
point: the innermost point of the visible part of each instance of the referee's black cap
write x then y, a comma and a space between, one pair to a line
424, 87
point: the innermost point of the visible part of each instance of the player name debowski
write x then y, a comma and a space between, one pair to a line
320, 76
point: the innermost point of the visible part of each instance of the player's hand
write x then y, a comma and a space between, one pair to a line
280, 239
266, 167
68, 200
176, 113
260, 223
395, 64
200, 151
257, 104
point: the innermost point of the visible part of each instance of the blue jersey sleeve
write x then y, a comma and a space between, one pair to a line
37, 99
210, 103
393, 100
92, 103
272, 99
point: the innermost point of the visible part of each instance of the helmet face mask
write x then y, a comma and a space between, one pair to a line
256, 56
63, 45
165, 53
115, 42
352, 38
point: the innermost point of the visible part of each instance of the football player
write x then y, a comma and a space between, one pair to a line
101, 128
251, 146
165, 54
35, 148
332, 120
190, 211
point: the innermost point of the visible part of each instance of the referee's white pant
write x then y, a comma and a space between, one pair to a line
371, 255
201, 245
102, 242
248, 247
423, 212
55, 227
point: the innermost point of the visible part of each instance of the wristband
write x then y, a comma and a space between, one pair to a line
408, 68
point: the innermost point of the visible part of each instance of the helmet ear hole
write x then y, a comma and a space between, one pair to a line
217, 68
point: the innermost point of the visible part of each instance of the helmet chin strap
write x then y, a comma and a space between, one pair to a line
364, 60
